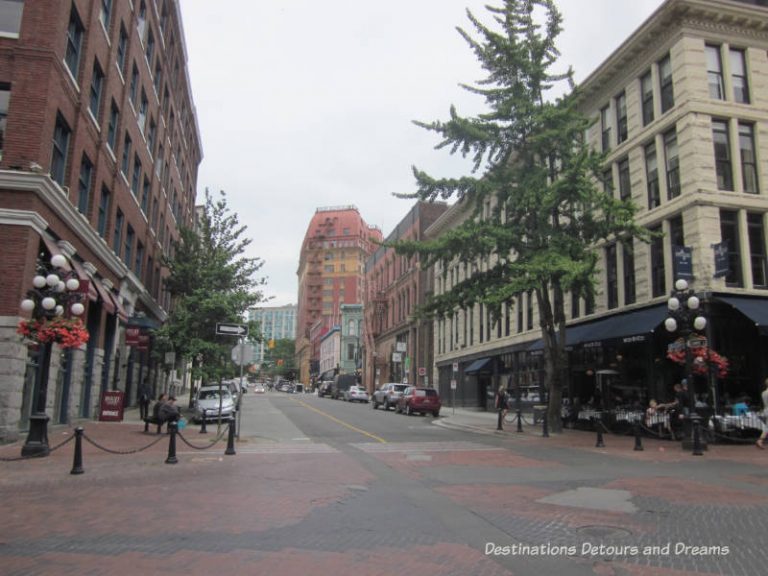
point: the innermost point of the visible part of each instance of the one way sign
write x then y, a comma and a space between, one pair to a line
231, 329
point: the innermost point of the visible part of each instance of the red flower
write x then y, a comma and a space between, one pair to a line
67, 332
702, 357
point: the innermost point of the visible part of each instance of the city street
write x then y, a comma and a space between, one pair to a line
325, 487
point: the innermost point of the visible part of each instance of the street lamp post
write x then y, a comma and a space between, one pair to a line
686, 318
54, 299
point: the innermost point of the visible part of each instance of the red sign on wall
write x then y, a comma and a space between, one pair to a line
111, 406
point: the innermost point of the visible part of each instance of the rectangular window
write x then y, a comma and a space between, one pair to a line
125, 166
84, 185
606, 129
101, 225
672, 164
105, 14
715, 73
608, 182
128, 254
5, 100
739, 76
74, 42
729, 232
97, 82
150, 50
117, 240
142, 119
757, 254
658, 273
520, 311
625, 185
575, 304
748, 158
652, 176
676, 240
145, 195
10, 16
529, 310
722, 155
157, 80
646, 93
114, 118
665, 81
621, 117
133, 92
507, 319
612, 277
136, 176
630, 289
122, 49
61, 134
137, 266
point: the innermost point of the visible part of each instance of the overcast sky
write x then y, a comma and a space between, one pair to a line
308, 103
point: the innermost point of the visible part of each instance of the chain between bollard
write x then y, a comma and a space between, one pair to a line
121, 452
19, 458
212, 442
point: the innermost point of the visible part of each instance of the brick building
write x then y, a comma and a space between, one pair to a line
397, 345
336, 245
99, 151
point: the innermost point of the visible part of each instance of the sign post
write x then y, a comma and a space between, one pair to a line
453, 386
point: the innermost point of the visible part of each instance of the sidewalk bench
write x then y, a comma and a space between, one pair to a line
153, 420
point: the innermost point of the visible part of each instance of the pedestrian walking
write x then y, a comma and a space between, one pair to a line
502, 406
144, 396
763, 417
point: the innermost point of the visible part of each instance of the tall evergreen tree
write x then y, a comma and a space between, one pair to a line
536, 211
210, 281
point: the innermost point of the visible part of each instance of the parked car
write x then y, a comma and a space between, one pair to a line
341, 383
324, 388
387, 395
420, 400
212, 401
356, 394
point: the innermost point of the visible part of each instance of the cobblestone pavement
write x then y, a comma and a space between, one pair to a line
454, 502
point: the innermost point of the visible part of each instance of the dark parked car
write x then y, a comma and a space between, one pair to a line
324, 389
420, 400
387, 395
341, 384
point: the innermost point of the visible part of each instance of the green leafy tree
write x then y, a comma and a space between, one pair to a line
535, 212
210, 281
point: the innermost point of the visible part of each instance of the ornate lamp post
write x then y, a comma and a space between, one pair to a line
55, 305
686, 318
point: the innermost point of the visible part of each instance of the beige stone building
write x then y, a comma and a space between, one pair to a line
681, 110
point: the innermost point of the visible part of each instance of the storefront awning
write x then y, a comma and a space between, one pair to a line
629, 327
479, 365
756, 309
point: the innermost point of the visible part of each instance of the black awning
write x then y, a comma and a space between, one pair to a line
756, 309
629, 327
479, 365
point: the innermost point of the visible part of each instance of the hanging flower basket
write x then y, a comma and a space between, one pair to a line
66, 332
701, 357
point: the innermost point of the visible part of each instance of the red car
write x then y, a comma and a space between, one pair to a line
420, 400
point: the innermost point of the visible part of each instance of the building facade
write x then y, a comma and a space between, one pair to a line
277, 323
99, 151
398, 347
330, 351
681, 111
350, 353
336, 245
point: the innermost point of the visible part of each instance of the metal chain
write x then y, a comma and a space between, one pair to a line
18, 458
211, 445
134, 451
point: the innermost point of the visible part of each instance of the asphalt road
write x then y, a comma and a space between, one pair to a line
320, 487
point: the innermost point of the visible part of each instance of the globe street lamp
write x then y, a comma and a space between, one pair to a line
686, 318
55, 306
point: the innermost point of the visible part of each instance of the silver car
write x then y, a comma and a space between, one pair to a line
388, 395
356, 394
212, 401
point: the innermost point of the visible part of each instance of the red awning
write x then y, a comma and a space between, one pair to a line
83, 275
106, 300
54, 249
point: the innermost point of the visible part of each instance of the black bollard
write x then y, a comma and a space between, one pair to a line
545, 426
230, 451
77, 462
519, 420
638, 439
203, 429
599, 429
697, 451
172, 427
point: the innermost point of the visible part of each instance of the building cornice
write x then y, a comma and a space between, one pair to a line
10, 217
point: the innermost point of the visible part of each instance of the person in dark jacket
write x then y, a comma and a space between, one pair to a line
144, 396
502, 406
168, 411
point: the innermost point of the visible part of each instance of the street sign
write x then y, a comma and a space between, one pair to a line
455, 366
397, 357
247, 354
224, 329
453, 384
422, 371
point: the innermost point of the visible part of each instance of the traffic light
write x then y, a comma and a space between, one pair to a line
271, 343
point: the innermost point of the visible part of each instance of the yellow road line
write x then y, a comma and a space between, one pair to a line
356, 429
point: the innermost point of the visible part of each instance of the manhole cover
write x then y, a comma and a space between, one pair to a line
604, 531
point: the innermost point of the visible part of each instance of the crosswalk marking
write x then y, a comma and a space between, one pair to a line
406, 447
284, 448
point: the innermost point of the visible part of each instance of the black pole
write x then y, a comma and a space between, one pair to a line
203, 429
172, 427
599, 430
638, 439
519, 420
230, 451
545, 425
697, 435
77, 462
37, 439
